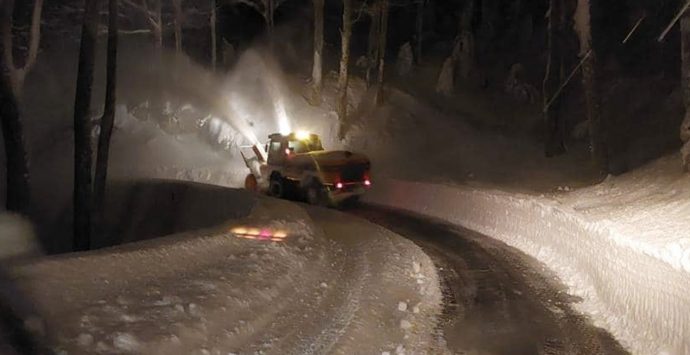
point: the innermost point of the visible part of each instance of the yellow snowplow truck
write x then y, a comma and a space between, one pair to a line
297, 166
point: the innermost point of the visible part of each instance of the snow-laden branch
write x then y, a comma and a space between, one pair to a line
144, 8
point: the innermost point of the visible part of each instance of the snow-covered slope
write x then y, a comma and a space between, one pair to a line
334, 285
623, 246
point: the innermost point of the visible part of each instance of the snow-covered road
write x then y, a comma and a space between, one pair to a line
337, 284
497, 300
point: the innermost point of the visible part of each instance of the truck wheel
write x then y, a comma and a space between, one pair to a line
250, 183
317, 195
276, 188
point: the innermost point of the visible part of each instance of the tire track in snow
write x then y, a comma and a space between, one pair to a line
499, 294
344, 314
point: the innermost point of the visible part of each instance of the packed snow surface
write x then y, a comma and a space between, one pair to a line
333, 285
623, 245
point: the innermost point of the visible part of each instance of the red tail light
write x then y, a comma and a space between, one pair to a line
367, 182
339, 185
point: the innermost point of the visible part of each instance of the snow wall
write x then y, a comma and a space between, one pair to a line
641, 299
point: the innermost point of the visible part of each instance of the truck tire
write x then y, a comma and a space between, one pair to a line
317, 194
276, 188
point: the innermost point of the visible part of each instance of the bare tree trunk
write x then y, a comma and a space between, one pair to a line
685, 56
419, 28
372, 44
177, 9
343, 79
11, 90
383, 36
18, 192
516, 23
490, 20
685, 83
554, 143
157, 26
597, 126
270, 9
214, 40
108, 116
467, 51
82, 129
317, 67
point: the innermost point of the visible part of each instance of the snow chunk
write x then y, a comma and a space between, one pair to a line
126, 342
402, 306
400, 350
417, 267
85, 340
405, 324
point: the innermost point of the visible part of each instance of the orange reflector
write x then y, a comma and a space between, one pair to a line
259, 234
239, 230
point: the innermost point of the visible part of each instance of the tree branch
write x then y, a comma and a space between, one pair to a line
136, 6
35, 40
365, 9
673, 22
259, 6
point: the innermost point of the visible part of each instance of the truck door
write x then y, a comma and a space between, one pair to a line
276, 152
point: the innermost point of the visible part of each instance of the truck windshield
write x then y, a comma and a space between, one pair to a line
305, 146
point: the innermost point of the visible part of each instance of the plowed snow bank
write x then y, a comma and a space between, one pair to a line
623, 246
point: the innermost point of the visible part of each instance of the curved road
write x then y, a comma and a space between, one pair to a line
497, 300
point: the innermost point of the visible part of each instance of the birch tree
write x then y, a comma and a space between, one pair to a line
177, 24
317, 66
419, 30
214, 39
383, 36
466, 50
590, 85
463, 54
555, 128
152, 11
82, 128
12, 81
108, 117
374, 13
685, 82
343, 78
